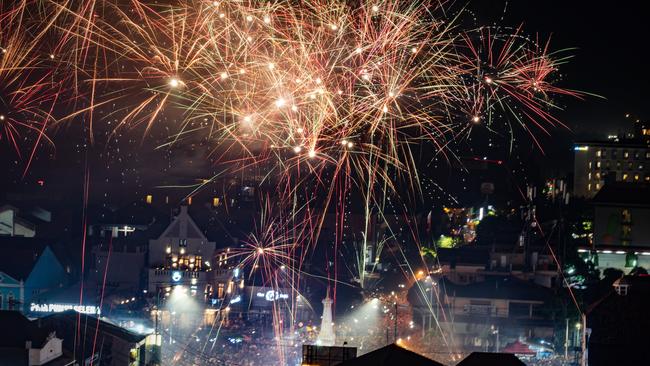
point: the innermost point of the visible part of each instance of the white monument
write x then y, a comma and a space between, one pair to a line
326, 337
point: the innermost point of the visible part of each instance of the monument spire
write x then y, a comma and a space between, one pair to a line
326, 337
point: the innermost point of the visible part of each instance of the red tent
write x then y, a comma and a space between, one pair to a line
518, 348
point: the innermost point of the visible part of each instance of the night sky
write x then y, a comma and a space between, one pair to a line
608, 61
609, 56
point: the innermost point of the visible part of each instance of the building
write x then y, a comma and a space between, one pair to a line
621, 234
227, 277
313, 355
30, 268
491, 359
499, 309
619, 324
180, 257
12, 224
598, 161
391, 354
470, 264
29, 343
100, 342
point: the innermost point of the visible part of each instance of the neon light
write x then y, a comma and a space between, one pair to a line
581, 148
176, 276
59, 308
272, 295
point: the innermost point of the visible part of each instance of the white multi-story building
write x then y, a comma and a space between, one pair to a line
180, 257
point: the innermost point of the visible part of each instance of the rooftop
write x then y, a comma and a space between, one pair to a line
498, 288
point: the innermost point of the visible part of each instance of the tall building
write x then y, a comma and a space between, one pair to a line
618, 161
180, 257
621, 234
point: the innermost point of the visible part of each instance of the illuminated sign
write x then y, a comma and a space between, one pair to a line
235, 300
59, 308
272, 295
581, 148
176, 276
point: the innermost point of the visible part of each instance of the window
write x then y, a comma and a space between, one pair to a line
599, 153
182, 243
598, 164
198, 261
626, 154
589, 187
589, 176
636, 177
624, 176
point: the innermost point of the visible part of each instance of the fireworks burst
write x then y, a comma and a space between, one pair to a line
326, 97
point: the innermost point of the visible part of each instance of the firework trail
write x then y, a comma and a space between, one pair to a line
328, 98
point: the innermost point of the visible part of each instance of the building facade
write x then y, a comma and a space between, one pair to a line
180, 257
598, 161
29, 270
12, 224
621, 234
512, 308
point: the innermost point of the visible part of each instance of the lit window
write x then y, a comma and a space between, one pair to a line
598, 164
626, 155
589, 176
599, 153
149, 199
624, 176
597, 186
590, 165
636, 177
598, 175
589, 187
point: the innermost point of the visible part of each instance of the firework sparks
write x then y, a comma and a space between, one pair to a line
326, 97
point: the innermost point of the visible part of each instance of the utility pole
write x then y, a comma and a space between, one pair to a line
583, 355
566, 341
395, 324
